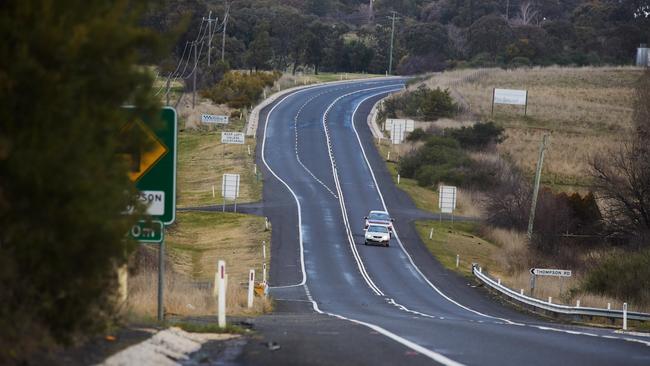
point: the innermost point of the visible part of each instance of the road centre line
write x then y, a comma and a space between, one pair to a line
426, 352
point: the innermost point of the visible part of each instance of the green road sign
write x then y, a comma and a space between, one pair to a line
154, 170
147, 231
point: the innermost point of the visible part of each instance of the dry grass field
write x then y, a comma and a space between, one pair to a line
202, 161
586, 110
194, 245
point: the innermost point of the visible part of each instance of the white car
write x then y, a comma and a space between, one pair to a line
377, 234
379, 218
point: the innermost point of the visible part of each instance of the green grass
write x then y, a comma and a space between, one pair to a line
450, 239
198, 238
202, 161
195, 327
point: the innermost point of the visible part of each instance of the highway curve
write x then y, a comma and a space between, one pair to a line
322, 176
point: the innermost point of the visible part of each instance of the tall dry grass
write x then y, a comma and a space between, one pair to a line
185, 297
587, 110
515, 258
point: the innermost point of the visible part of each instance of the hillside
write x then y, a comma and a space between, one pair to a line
586, 110
429, 35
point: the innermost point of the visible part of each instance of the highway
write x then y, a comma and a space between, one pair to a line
322, 176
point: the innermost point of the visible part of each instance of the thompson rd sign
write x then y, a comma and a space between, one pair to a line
550, 272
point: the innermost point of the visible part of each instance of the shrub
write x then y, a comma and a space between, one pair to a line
240, 90
416, 135
623, 275
478, 136
422, 103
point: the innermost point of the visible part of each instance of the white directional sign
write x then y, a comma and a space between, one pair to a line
550, 272
230, 186
447, 199
403, 124
214, 118
154, 200
232, 138
510, 96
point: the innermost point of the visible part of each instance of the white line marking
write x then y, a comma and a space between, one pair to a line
402, 307
426, 352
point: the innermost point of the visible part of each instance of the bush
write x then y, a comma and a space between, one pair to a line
416, 135
479, 136
423, 103
625, 276
439, 160
240, 90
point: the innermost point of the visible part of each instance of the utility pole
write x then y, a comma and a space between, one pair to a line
392, 35
210, 20
538, 175
196, 62
225, 26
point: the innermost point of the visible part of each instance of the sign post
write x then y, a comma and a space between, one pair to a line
510, 96
230, 189
447, 200
153, 170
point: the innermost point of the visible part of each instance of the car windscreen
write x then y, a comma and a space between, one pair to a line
378, 229
379, 216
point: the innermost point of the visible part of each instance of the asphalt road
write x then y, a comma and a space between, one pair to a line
386, 305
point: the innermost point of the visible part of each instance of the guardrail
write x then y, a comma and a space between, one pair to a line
557, 309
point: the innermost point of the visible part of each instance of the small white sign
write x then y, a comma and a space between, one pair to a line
510, 96
405, 124
154, 200
232, 138
550, 272
447, 199
214, 118
230, 186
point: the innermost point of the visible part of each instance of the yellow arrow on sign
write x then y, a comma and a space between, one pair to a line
141, 160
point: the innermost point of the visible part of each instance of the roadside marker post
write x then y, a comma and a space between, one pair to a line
624, 316
264, 250
398, 178
457, 260
431, 234
221, 297
264, 272
251, 287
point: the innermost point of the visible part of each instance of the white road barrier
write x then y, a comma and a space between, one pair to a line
557, 308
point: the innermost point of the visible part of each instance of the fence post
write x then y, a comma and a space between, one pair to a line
251, 286
221, 298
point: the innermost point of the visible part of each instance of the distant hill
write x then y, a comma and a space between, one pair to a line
430, 35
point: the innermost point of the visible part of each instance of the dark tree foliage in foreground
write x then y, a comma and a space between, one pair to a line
66, 68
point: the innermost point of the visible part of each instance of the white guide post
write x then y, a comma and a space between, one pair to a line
221, 297
251, 285
264, 272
